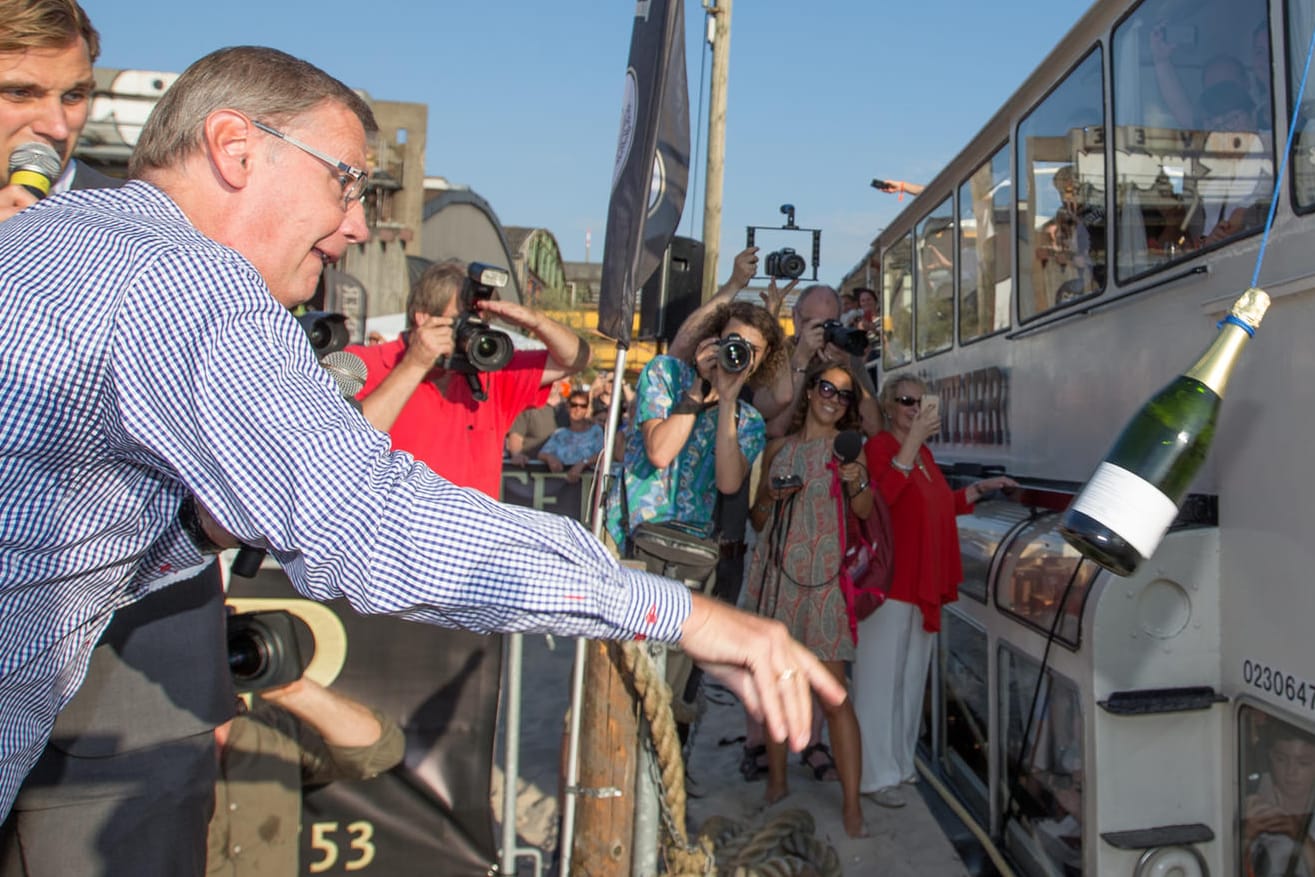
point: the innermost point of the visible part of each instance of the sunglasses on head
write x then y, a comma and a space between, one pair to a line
909, 401
828, 390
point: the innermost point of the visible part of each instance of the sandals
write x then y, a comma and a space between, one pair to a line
823, 768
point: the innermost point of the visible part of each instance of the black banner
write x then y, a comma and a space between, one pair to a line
651, 171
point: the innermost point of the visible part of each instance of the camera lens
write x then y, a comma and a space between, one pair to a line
248, 654
793, 266
489, 350
734, 354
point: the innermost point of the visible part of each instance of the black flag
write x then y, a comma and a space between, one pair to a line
652, 163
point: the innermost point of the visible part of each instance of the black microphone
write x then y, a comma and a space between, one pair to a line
35, 166
848, 445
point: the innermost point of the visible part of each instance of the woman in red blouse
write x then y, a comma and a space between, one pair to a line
894, 644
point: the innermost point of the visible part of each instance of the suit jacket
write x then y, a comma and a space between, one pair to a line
87, 177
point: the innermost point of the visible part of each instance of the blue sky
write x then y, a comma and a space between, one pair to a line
525, 97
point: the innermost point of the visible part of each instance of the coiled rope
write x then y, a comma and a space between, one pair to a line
785, 846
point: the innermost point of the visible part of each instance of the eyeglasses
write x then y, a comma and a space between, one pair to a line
352, 179
909, 401
828, 390
579, 404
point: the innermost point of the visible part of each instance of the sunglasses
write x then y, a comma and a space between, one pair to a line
579, 404
909, 401
828, 390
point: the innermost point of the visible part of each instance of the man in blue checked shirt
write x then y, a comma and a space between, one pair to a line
157, 396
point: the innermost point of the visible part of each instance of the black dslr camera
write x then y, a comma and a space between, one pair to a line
478, 347
267, 649
785, 263
852, 341
733, 354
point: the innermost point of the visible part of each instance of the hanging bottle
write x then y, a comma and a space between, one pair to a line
1127, 505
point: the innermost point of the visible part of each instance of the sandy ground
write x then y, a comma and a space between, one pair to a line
902, 843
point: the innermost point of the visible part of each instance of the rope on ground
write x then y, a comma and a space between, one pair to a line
785, 846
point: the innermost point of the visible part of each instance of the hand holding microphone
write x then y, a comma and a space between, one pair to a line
33, 169
847, 447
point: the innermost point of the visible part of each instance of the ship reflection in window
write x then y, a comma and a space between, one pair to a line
1040, 572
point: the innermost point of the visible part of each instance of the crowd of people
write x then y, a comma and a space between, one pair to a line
125, 471
123, 484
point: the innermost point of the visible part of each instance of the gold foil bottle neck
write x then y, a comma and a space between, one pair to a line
1251, 307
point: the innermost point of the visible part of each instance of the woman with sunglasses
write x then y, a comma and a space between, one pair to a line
894, 643
794, 576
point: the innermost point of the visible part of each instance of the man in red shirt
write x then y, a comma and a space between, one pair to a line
430, 411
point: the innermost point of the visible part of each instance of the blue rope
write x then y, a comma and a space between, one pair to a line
1283, 162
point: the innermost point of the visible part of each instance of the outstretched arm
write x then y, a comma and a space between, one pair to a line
567, 351
746, 266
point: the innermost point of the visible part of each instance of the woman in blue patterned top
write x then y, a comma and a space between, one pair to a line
690, 439
572, 448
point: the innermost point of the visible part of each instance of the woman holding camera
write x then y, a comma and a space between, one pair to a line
795, 573
690, 437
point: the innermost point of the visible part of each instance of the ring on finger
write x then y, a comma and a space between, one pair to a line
786, 675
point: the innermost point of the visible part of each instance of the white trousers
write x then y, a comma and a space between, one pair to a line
890, 678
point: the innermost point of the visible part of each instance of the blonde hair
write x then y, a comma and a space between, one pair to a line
886, 400
45, 24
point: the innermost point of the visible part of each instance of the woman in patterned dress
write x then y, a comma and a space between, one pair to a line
794, 576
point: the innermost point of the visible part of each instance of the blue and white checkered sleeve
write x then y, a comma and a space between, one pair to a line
221, 392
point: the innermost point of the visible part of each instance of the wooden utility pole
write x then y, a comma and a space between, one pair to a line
608, 734
720, 13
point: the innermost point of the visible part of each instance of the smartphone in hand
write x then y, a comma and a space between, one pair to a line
931, 402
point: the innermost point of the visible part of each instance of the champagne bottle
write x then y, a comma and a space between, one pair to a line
1127, 505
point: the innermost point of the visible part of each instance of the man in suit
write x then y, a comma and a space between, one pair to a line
126, 785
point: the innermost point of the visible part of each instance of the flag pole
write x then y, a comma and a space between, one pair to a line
602, 475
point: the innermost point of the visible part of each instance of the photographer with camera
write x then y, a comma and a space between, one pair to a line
819, 337
297, 734
691, 438
423, 388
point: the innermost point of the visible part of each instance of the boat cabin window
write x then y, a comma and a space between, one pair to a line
1301, 164
985, 220
1043, 764
897, 303
1062, 230
980, 537
1041, 571
933, 310
1277, 787
967, 711
1193, 128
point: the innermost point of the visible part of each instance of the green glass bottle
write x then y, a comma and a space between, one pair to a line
1127, 505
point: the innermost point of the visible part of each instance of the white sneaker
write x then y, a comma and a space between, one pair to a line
888, 796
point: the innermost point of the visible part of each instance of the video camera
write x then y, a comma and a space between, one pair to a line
478, 347
267, 649
786, 262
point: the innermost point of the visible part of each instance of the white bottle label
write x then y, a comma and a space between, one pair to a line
1129, 505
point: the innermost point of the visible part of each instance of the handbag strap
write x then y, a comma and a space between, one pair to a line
842, 528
